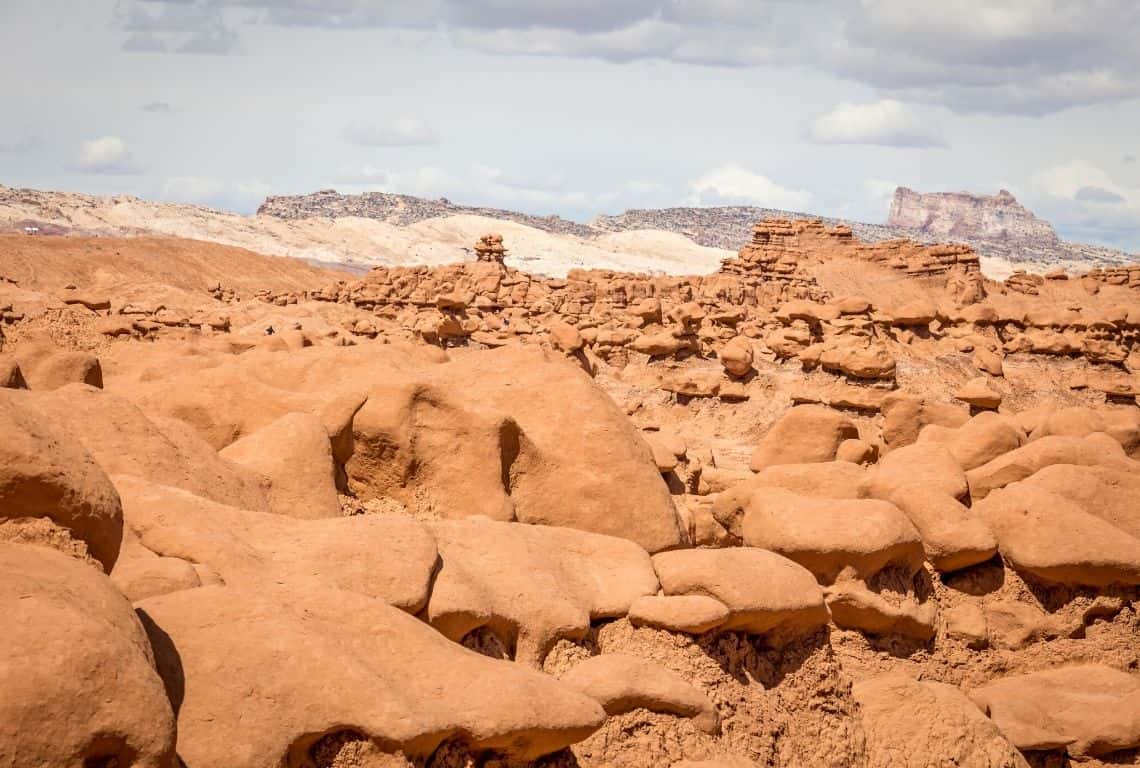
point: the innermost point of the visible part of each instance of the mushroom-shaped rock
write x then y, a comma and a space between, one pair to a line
805, 434
858, 360
78, 678
829, 537
623, 683
1055, 539
917, 312
656, 344
532, 585
736, 356
1089, 710
389, 557
1096, 449
354, 663
765, 594
566, 337
988, 361
952, 536
689, 614
293, 456
907, 721
978, 393
46, 473
853, 606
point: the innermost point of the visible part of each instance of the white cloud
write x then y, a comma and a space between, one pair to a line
400, 132
108, 155
994, 56
887, 123
1087, 203
734, 185
241, 197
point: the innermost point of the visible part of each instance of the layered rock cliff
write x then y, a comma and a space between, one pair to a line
964, 216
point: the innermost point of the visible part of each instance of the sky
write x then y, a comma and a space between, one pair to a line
581, 107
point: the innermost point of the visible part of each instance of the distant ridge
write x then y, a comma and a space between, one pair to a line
996, 226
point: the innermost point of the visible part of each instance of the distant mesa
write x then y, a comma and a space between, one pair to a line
965, 216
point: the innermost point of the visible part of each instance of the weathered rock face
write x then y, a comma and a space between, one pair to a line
960, 215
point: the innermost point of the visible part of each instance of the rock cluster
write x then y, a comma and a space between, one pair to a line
467, 515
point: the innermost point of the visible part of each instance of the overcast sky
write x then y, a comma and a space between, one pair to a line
582, 106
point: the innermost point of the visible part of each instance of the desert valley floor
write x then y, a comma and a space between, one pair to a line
834, 504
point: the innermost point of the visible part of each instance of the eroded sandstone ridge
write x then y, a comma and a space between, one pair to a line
837, 503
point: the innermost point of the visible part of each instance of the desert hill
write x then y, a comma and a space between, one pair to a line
352, 241
826, 502
359, 231
1004, 232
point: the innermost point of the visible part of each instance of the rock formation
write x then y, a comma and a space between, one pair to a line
839, 503
964, 216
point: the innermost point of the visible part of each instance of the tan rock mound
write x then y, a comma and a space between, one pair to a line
1088, 710
354, 663
388, 557
805, 434
46, 473
1055, 539
830, 537
78, 676
765, 594
1111, 494
978, 393
854, 606
622, 683
532, 585
62, 368
905, 415
910, 723
1096, 449
927, 464
1123, 424
981, 439
689, 614
514, 435
293, 456
953, 537
125, 441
